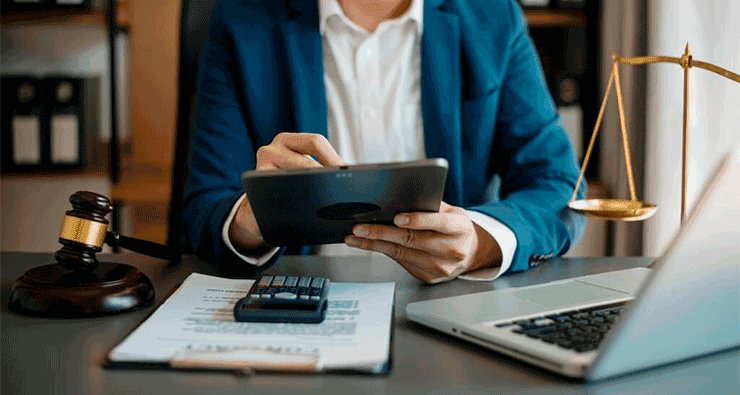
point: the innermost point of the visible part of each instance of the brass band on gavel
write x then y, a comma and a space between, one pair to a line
83, 231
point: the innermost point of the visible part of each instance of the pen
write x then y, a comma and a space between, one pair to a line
245, 361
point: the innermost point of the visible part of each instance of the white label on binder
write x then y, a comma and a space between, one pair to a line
65, 139
26, 140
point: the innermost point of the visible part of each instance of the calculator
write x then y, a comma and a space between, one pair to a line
293, 299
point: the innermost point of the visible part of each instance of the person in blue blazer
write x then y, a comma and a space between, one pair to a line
457, 79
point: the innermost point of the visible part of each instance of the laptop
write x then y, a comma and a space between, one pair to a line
614, 323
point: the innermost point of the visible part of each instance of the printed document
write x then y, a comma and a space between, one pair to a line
198, 319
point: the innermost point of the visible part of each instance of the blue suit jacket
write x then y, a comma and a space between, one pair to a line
485, 105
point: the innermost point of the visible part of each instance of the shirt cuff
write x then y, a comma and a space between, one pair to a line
506, 240
252, 260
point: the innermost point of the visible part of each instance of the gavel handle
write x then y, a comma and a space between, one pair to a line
113, 239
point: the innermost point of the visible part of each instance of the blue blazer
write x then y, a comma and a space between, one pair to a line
485, 105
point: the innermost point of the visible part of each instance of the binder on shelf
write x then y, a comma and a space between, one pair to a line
23, 123
66, 124
565, 90
51, 124
572, 118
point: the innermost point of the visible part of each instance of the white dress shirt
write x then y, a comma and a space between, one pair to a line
373, 98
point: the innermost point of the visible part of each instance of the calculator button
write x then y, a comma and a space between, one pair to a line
266, 296
304, 282
285, 295
317, 282
265, 281
278, 281
254, 296
291, 281
314, 297
304, 297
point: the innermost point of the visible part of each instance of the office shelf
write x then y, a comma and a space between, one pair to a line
96, 15
547, 18
26, 18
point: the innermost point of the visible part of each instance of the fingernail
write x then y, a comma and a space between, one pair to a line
360, 231
352, 241
401, 219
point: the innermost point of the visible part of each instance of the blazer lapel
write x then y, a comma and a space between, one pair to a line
305, 69
441, 92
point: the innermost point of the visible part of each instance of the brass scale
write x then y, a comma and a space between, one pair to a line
633, 209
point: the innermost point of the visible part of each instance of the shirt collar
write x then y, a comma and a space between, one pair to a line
331, 8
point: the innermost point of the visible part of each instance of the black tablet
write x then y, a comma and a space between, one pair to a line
319, 205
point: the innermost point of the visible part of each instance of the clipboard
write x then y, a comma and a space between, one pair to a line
249, 357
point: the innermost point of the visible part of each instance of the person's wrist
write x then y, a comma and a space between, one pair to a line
244, 232
486, 251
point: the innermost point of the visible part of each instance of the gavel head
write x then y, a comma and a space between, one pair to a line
83, 232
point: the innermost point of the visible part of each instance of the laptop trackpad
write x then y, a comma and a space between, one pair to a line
573, 293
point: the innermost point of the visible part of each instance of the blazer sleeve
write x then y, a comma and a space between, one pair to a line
532, 154
222, 146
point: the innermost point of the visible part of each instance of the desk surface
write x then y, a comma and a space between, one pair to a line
52, 356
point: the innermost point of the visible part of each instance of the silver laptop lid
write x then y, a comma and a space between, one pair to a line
690, 304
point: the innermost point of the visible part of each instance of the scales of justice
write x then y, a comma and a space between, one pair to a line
633, 209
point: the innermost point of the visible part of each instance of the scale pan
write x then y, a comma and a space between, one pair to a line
613, 209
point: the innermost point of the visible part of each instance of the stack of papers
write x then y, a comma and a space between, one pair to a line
195, 328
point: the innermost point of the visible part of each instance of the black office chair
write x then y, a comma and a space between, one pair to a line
194, 23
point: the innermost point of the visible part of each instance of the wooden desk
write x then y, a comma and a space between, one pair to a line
48, 356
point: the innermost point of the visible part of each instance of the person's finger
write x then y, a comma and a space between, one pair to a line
312, 144
445, 223
434, 243
420, 264
265, 165
275, 156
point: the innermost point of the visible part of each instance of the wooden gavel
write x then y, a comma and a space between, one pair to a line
85, 230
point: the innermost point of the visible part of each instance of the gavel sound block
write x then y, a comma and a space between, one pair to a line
78, 285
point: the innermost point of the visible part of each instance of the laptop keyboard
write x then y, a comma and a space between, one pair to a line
579, 330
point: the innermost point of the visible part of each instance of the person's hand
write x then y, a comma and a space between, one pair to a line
433, 247
287, 150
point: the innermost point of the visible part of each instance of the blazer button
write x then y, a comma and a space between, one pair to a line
534, 260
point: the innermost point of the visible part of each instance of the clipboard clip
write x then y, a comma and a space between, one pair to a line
246, 361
